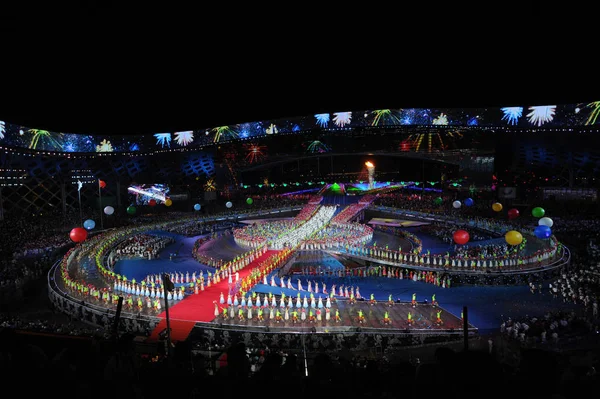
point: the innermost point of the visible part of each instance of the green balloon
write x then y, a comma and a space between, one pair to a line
538, 212
438, 201
131, 210
249, 201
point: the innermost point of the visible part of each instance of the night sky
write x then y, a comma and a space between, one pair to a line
105, 69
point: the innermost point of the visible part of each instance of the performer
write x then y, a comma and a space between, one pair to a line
352, 299
433, 301
337, 316
361, 317
414, 300
439, 318
260, 314
278, 317
390, 301
410, 319
241, 314
311, 316
295, 317
372, 301
386, 318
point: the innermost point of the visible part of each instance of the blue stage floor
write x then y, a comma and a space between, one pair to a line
488, 306
183, 262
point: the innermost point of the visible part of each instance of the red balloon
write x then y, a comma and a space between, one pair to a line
102, 183
78, 234
461, 237
513, 213
152, 202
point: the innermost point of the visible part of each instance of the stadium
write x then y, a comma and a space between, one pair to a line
373, 231
299, 229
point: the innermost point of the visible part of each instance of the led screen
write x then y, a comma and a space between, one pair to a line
524, 116
141, 194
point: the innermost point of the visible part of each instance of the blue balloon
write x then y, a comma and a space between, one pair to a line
542, 232
197, 207
469, 202
89, 224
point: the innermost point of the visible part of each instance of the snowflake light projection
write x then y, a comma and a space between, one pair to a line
272, 129
104, 146
512, 114
322, 119
317, 147
2, 129
541, 114
440, 120
44, 136
223, 133
595, 112
342, 119
255, 152
210, 185
184, 138
384, 117
134, 147
70, 147
434, 140
164, 139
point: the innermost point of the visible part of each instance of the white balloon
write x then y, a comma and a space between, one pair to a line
546, 221
228, 204
456, 204
109, 210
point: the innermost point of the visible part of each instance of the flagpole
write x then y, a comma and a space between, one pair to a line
100, 200
80, 209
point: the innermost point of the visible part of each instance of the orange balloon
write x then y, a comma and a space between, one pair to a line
497, 206
168, 202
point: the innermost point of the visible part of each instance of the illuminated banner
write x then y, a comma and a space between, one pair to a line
522, 116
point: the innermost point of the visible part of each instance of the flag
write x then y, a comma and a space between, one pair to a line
79, 185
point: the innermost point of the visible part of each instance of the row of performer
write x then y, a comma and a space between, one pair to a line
285, 315
447, 260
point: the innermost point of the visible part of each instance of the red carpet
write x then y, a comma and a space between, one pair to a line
201, 307
179, 330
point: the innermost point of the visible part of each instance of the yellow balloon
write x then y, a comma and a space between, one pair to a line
168, 202
513, 237
497, 206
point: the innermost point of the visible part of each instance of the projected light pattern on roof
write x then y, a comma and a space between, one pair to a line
515, 116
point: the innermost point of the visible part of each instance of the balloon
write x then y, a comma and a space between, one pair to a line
538, 212
461, 237
497, 207
542, 232
152, 202
249, 201
438, 201
456, 204
197, 207
228, 204
513, 213
102, 183
168, 202
78, 234
513, 237
546, 221
89, 224
109, 210
469, 202
131, 210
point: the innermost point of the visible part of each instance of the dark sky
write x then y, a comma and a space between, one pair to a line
105, 69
